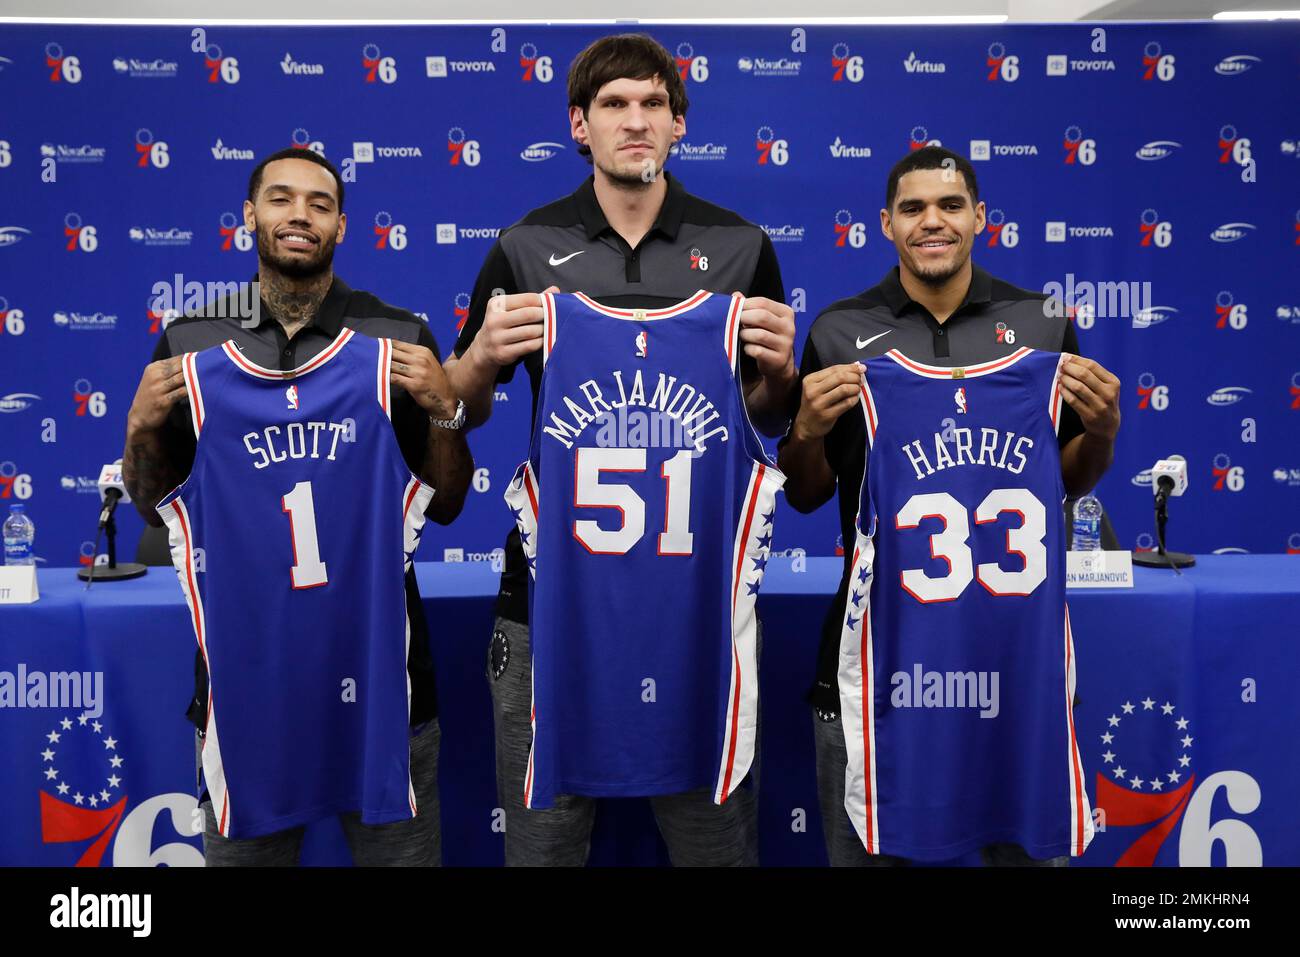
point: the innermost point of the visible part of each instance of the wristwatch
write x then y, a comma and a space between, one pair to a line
455, 422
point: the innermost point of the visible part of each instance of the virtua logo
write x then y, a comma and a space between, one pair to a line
841, 150
220, 151
292, 67
1228, 395
1236, 65
1231, 232
1158, 150
913, 65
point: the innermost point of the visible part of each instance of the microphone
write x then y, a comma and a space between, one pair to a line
111, 491
1169, 478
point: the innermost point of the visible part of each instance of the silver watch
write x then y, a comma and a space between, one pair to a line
456, 421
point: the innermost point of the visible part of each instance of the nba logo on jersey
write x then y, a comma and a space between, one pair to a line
958, 586
645, 513
307, 524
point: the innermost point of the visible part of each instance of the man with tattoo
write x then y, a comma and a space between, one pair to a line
295, 208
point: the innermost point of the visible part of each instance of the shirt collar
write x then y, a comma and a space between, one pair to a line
979, 293
329, 318
667, 222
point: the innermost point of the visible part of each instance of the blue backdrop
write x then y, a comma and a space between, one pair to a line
1122, 155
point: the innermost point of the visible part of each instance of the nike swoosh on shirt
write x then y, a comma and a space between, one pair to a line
556, 262
863, 343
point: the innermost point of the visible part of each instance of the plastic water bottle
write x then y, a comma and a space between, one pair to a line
19, 532
1087, 524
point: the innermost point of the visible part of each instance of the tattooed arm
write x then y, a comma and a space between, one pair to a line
148, 470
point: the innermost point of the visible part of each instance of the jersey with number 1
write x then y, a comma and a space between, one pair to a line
956, 666
291, 537
645, 512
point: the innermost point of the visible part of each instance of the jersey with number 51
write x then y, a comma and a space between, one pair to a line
291, 538
645, 513
956, 667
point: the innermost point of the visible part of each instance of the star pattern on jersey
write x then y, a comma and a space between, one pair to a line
767, 519
1156, 782
760, 563
864, 574
517, 513
50, 754
765, 541
851, 623
524, 537
856, 597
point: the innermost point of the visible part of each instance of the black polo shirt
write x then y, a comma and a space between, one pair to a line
994, 320
569, 244
268, 346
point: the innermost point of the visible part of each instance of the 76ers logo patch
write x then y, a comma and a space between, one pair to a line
959, 397
642, 344
291, 395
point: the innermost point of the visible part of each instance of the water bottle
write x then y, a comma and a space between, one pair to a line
1087, 524
19, 532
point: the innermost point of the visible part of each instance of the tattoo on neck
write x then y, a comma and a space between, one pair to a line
294, 304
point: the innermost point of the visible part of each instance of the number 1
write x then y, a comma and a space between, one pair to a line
308, 570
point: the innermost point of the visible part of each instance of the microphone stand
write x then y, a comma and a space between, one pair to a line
113, 571
1161, 558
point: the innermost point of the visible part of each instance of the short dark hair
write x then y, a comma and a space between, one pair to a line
297, 153
635, 56
931, 157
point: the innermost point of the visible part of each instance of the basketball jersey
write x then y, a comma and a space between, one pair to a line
956, 668
291, 538
645, 511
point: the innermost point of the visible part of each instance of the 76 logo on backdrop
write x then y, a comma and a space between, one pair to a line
846, 230
1001, 66
383, 68
770, 148
87, 400
462, 149
1226, 475
234, 234
1078, 149
1153, 231
151, 152
1156, 64
1233, 148
79, 236
690, 66
1231, 314
13, 483
846, 67
63, 68
390, 235
1150, 395
1001, 232
536, 67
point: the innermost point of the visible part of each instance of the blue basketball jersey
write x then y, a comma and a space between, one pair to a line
645, 511
291, 538
956, 669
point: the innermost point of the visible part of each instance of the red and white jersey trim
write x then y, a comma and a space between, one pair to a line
1082, 828
733, 328
750, 553
548, 325
1054, 401
644, 315
382, 375
253, 369
190, 371
944, 372
521, 496
857, 699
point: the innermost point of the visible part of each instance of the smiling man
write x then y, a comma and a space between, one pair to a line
295, 208
631, 237
938, 308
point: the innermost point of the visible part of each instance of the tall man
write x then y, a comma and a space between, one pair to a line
295, 208
938, 308
629, 236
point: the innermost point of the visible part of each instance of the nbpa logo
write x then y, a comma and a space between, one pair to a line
377, 67
1001, 65
1236, 65
691, 65
846, 67
1001, 232
151, 152
221, 68
536, 67
847, 231
64, 68
770, 149
1157, 150
1156, 64
1228, 395
464, 152
1231, 232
